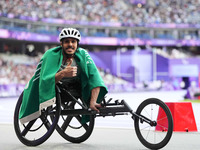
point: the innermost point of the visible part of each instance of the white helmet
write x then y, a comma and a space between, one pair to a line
70, 32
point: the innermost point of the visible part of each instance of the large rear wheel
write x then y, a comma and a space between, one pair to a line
40, 129
71, 127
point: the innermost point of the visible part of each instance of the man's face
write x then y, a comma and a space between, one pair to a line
69, 45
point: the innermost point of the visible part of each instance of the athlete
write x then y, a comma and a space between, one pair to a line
69, 64
69, 72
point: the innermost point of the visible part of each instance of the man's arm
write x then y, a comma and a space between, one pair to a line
94, 95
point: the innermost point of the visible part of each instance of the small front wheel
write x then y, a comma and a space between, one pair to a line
147, 131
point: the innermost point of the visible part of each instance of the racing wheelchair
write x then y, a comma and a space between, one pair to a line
72, 128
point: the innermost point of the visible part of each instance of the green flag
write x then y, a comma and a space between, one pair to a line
40, 93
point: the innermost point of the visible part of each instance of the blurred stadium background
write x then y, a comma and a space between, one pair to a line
138, 45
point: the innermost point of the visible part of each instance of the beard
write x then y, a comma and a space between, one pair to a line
68, 55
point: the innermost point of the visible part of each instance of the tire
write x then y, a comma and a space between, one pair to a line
148, 135
39, 130
71, 127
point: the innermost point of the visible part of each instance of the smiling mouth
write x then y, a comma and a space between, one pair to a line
70, 47
70, 50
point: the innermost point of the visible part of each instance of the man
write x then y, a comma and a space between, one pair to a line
69, 39
71, 65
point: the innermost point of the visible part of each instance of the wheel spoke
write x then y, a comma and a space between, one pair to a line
162, 119
148, 133
27, 128
151, 112
162, 126
145, 127
66, 123
46, 122
147, 113
84, 125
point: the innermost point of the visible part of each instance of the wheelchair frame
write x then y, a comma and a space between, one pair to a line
108, 109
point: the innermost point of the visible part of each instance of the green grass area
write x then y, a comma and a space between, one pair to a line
193, 101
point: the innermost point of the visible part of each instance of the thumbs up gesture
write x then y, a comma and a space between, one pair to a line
70, 71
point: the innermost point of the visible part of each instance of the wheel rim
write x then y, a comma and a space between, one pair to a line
148, 134
39, 130
71, 128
